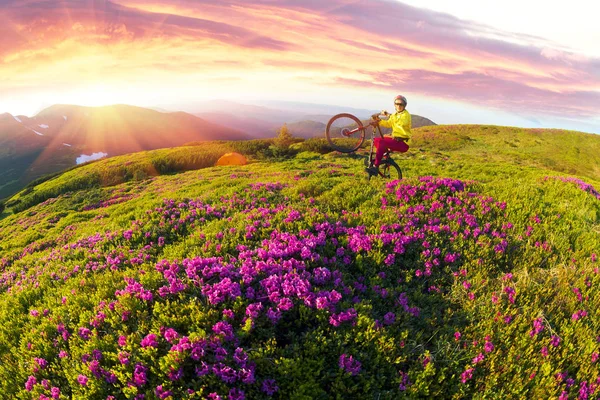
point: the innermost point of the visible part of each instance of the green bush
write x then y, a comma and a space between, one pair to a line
316, 145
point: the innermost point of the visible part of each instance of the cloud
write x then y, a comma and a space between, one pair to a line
486, 90
290, 45
94, 156
106, 21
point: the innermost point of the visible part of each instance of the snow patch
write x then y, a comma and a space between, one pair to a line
85, 158
17, 118
44, 126
67, 144
37, 133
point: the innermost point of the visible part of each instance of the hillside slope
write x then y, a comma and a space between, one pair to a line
302, 279
563, 151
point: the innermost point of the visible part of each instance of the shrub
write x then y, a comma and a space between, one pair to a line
251, 147
316, 145
284, 138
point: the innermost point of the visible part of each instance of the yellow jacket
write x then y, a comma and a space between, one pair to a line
400, 123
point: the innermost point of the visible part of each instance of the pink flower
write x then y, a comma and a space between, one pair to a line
426, 361
31, 381
578, 315
82, 379
149, 341
84, 333
538, 326
349, 364
236, 394
468, 374
269, 387
389, 318
564, 395
389, 259
170, 335
162, 393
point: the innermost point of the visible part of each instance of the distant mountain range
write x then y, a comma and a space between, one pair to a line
62, 136
303, 120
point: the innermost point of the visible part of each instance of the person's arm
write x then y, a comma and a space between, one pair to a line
386, 123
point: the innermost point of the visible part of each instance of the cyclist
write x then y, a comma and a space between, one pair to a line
400, 122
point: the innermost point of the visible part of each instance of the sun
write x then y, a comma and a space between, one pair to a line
98, 95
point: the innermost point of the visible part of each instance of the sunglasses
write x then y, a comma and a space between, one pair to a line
399, 104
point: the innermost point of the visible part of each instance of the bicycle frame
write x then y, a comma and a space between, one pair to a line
387, 155
373, 126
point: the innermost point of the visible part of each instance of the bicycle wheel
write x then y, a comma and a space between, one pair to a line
388, 169
345, 133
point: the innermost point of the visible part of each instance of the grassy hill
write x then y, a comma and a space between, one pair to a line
157, 274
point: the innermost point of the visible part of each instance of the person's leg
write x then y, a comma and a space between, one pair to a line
397, 145
377, 144
388, 143
381, 145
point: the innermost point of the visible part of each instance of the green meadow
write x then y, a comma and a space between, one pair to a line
159, 275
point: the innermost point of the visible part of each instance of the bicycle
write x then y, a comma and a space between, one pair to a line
346, 134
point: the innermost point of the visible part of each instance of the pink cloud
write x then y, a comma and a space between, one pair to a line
108, 21
486, 90
389, 43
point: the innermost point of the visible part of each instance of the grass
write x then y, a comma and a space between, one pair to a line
510, 311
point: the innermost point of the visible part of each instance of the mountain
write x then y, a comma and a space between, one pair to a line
307, 129
60, 136
419, 121
262, 121
252, 125
476, 276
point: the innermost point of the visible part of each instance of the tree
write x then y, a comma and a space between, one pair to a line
284, 138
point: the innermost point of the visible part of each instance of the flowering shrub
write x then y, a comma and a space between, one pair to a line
252, 288
586, 187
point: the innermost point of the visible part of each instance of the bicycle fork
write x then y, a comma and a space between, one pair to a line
370, 162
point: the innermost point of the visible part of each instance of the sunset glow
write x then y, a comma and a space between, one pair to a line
173, 54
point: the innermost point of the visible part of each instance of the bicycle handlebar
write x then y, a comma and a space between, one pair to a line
375, 118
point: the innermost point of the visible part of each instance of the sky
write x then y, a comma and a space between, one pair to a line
517, 63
